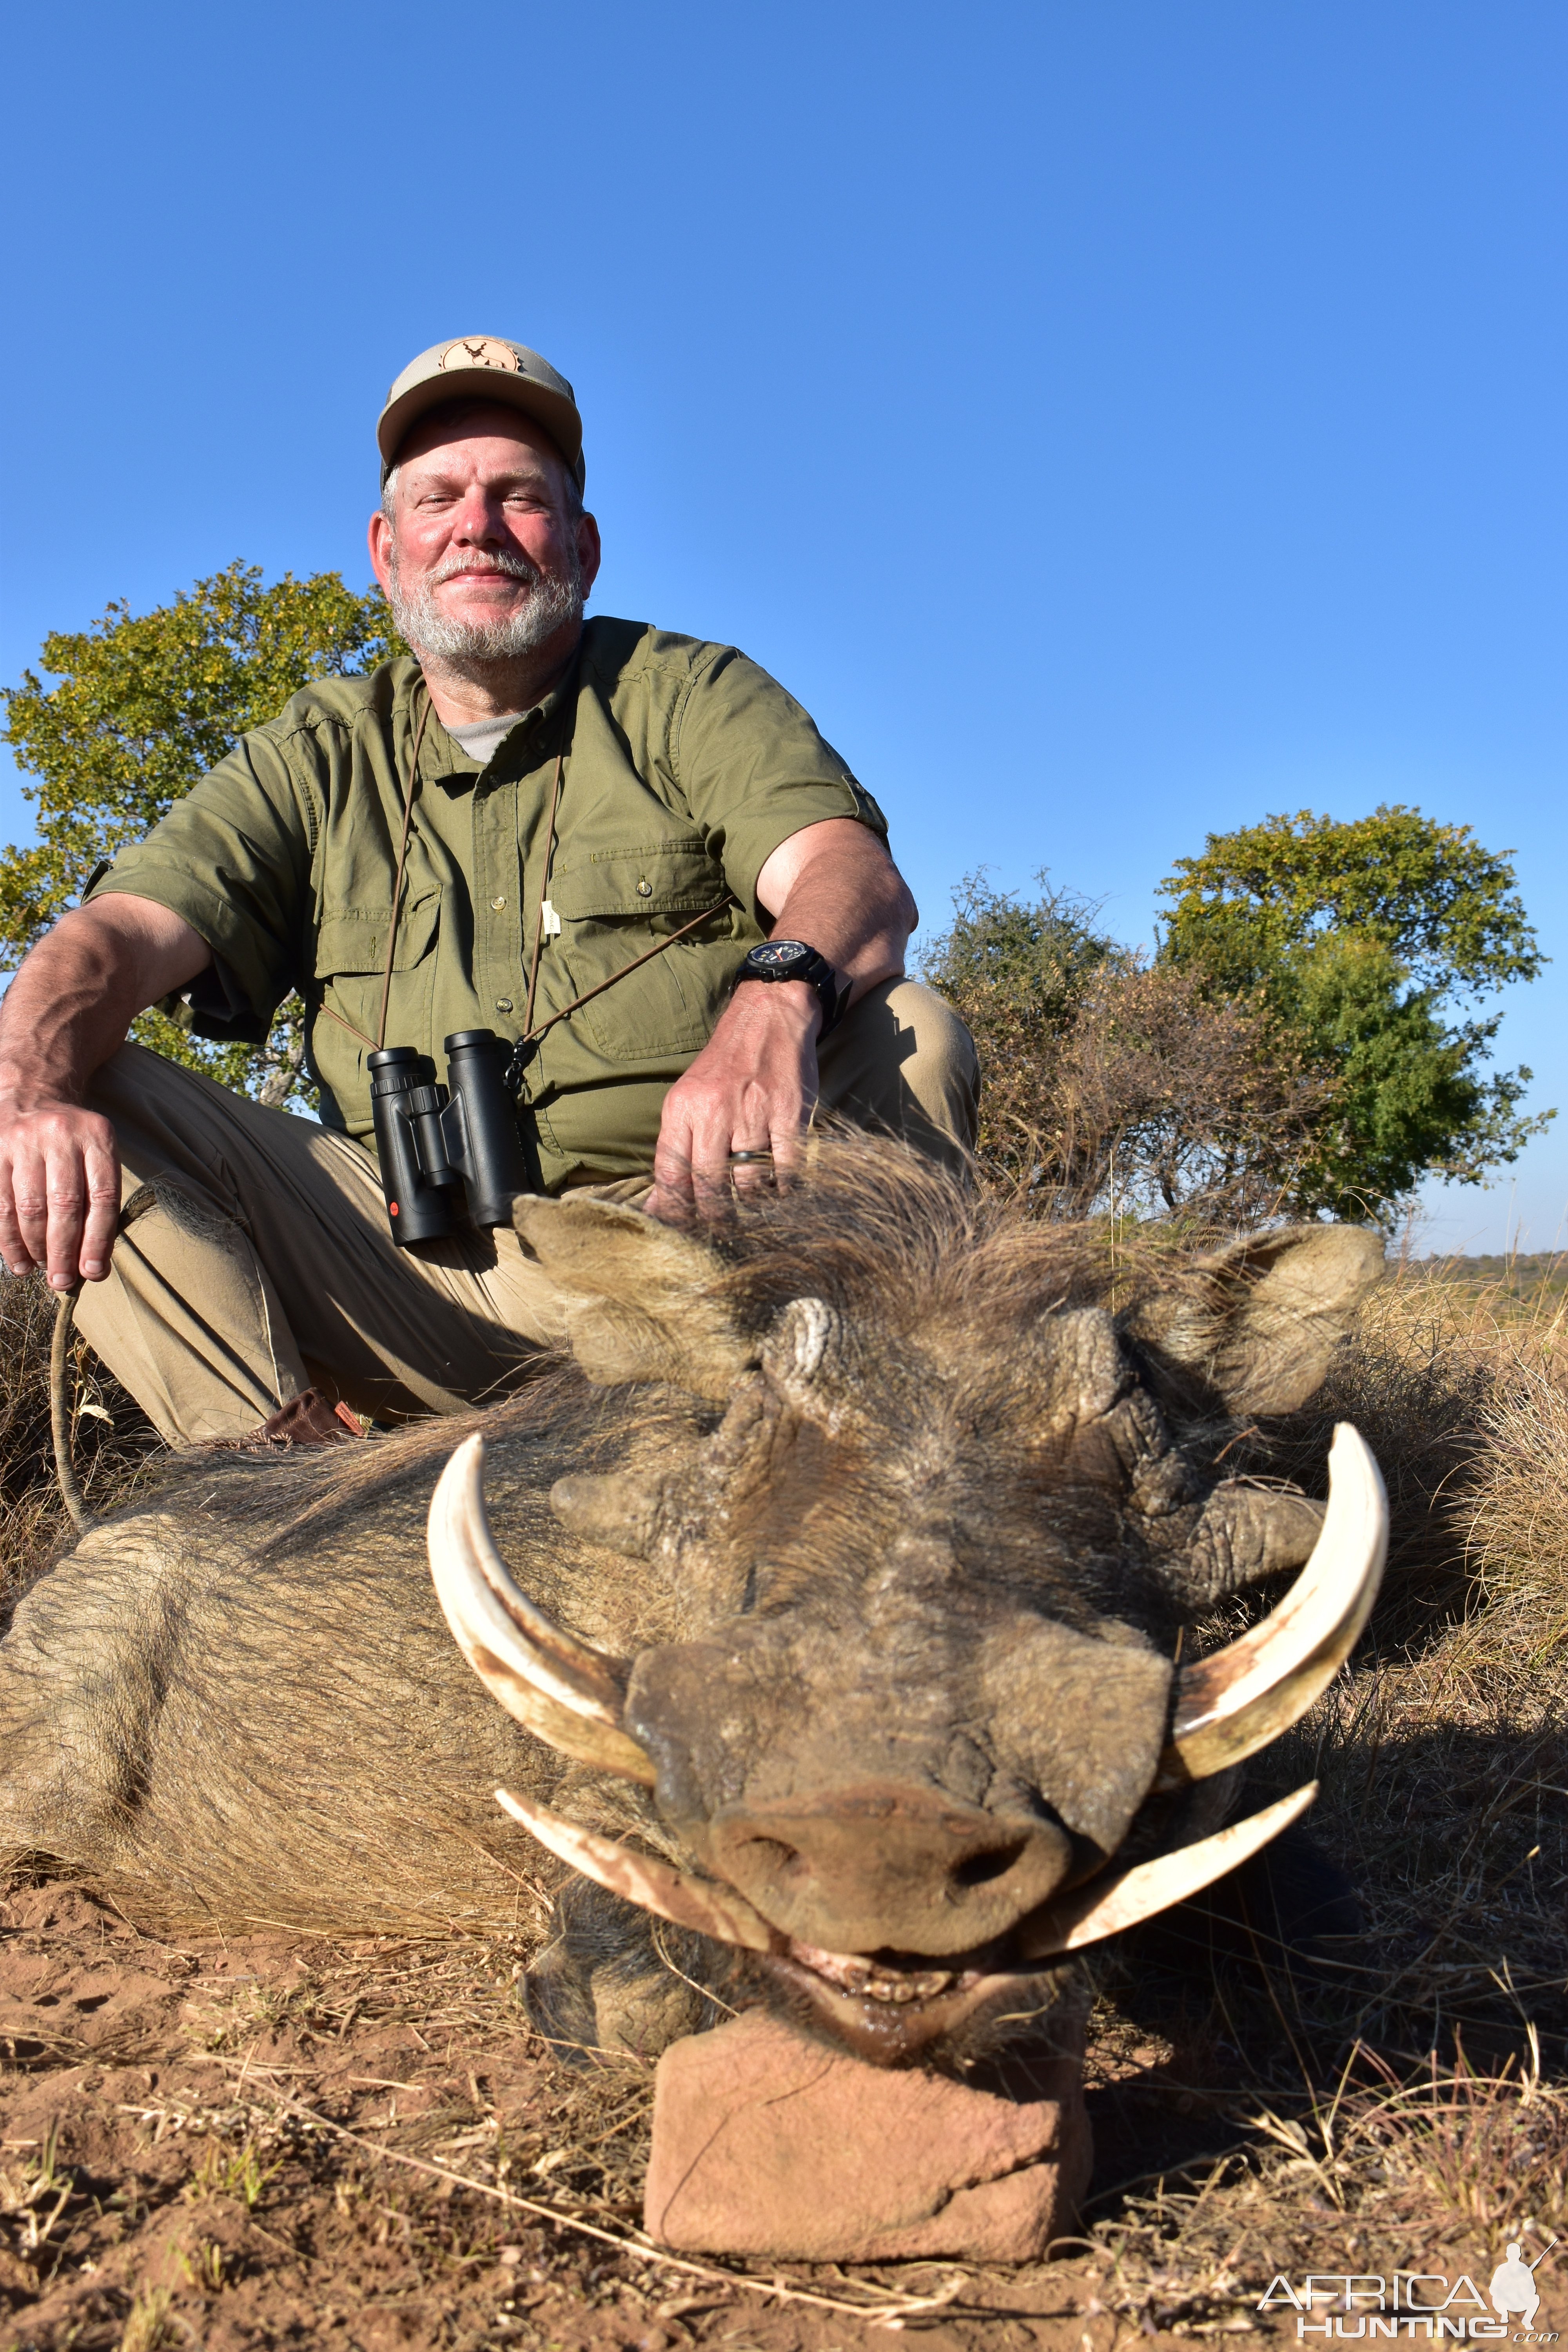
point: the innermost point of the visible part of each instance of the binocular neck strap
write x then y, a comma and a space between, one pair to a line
402, 862
543, 897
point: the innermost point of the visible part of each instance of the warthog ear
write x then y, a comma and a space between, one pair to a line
640, 1302
1265, 1316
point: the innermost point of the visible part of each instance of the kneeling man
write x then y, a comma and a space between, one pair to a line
576, 835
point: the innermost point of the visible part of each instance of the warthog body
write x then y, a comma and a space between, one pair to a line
879, 1524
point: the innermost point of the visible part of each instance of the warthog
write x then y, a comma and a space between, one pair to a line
849, 1557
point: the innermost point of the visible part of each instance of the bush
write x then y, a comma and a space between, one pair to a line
1112, 1083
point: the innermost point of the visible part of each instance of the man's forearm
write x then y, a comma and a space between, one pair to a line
835, 887
77, 991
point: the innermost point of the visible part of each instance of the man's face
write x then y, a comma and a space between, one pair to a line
481, 558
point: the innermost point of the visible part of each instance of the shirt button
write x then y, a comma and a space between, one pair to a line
503, 1005
645, 888
497, 904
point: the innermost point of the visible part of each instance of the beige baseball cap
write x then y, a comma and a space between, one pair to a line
483, 367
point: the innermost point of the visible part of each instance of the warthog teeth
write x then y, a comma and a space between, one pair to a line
1107, 1905
1233, 1703
640, 1879
848, 1972
559, 1688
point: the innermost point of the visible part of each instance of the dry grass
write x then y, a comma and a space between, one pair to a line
1425, 2177
113, 1441
1401, 2103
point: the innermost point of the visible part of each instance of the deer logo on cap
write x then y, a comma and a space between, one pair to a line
483, 351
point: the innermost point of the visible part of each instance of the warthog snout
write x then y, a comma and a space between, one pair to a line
885, 1868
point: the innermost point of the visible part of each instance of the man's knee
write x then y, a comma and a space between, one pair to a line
901, 1060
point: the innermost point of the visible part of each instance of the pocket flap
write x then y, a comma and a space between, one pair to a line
663, 877
355, 940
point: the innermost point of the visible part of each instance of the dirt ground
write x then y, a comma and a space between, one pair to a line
176, 2165
248, 2143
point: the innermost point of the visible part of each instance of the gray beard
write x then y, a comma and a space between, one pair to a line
479, 648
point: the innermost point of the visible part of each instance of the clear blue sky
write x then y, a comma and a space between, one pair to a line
1114, 420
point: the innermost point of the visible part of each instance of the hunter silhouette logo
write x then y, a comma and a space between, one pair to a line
1513, 2288
482, 351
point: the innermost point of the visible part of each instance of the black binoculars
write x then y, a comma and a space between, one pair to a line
449, 1155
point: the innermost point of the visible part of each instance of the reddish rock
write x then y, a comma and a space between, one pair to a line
765, 2142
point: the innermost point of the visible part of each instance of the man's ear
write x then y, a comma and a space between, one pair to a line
378, 536
640, 1303
1259, 1322
589, 552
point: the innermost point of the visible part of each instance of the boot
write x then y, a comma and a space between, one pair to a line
306, 1419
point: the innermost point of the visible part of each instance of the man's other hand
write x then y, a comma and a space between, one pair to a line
60, 1192
67, 1010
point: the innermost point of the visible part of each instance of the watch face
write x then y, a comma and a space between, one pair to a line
779, 956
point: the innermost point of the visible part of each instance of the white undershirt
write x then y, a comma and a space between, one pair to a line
484, 740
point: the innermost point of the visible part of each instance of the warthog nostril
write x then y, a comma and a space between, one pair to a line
979, 1869
770, 1854
886, 1865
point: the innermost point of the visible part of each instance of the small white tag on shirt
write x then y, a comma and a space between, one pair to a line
550, 921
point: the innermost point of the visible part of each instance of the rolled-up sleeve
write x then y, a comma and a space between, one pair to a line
753, 769
233, 859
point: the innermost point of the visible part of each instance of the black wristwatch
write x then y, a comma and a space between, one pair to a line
793, 960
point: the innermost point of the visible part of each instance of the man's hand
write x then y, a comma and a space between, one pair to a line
753, 1086
64, 1015
60, 1192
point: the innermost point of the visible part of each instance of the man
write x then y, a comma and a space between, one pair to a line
572, 834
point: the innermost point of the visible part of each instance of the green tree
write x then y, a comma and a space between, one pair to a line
130, 713
1363, 940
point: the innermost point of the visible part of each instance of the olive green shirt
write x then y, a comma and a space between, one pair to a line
683, 766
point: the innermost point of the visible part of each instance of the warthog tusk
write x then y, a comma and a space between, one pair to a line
652, 1885
1231, 1705
557, 1687
1105, 1908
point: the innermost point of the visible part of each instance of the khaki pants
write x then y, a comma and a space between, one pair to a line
268, 1267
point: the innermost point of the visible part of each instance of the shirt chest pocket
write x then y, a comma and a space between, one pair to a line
613, 906
351, 964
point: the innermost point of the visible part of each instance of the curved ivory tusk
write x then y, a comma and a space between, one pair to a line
556, 1686
1104, 1909
639, 1878
1231, 1705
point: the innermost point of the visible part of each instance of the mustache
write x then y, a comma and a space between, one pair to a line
498, 559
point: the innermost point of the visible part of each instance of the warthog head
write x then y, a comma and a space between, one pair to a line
903, 1719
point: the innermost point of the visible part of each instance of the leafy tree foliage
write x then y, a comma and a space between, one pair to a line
130, 713
1359, 939
1112, 1083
